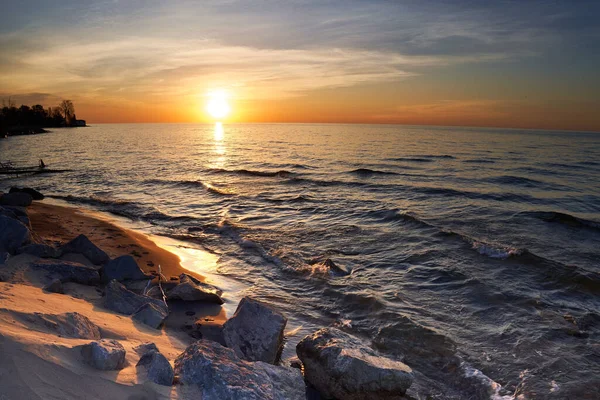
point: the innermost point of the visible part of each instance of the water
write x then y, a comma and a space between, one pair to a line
475, 252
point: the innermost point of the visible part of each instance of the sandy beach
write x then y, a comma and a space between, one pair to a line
38, 364
55, 224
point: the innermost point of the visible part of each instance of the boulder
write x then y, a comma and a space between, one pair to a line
158, 368
121, 300
40, 250
82, 245
72, 325
16, 199
19, 213
35, 195
104, 354
151, 315
3, 256
77, 258
145, 348
340, 366
191, 289
67, 271
255, 332
55, 286
220, 374
13, 234
123, 268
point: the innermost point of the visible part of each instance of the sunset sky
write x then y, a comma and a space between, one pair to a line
504, 63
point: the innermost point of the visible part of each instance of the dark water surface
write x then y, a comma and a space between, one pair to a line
475, 252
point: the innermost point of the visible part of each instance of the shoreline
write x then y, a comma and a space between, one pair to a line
56, 224
68, 276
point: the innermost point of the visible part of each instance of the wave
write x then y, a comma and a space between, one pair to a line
247, 172
514, 180
293, 199
368, 172
553, 271
446, 192
410, 159
442, 156
479, 161
191, 184
396, 215
124, 208
562, 218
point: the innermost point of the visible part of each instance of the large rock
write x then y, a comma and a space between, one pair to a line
67, 271
82, 245
191, 289
220, 374
72, 325
104, 354
151, 315
19, 213
40, 250
158, 368
16, 199
121, 300
55, 286
255, 332
123, 268
145, 348
341, 367
13, 234
30, 191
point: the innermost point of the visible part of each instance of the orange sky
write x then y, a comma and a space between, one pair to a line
512, 65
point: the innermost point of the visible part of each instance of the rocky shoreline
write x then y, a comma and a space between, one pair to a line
239, 359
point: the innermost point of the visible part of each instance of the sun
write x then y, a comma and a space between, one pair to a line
217, 105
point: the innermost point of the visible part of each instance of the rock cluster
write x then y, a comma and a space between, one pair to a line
242, 365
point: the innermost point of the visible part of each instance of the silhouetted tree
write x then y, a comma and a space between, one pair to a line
68, 110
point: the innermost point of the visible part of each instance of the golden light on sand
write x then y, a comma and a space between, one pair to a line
217, 105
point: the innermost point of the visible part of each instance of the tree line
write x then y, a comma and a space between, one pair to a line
13, 118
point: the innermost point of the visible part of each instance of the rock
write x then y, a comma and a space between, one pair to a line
82, 245
121, 300
55, 286
191, 289
67, 271
151, 315
295, 362
16, 199
154, 292
220, 374
138, 287
341, 367
145, 348
35, 195
13, 234
3, 257
19, 213
104, 354
77, 258
255, 332
123, 268
159, 369
40, 250
72, 325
